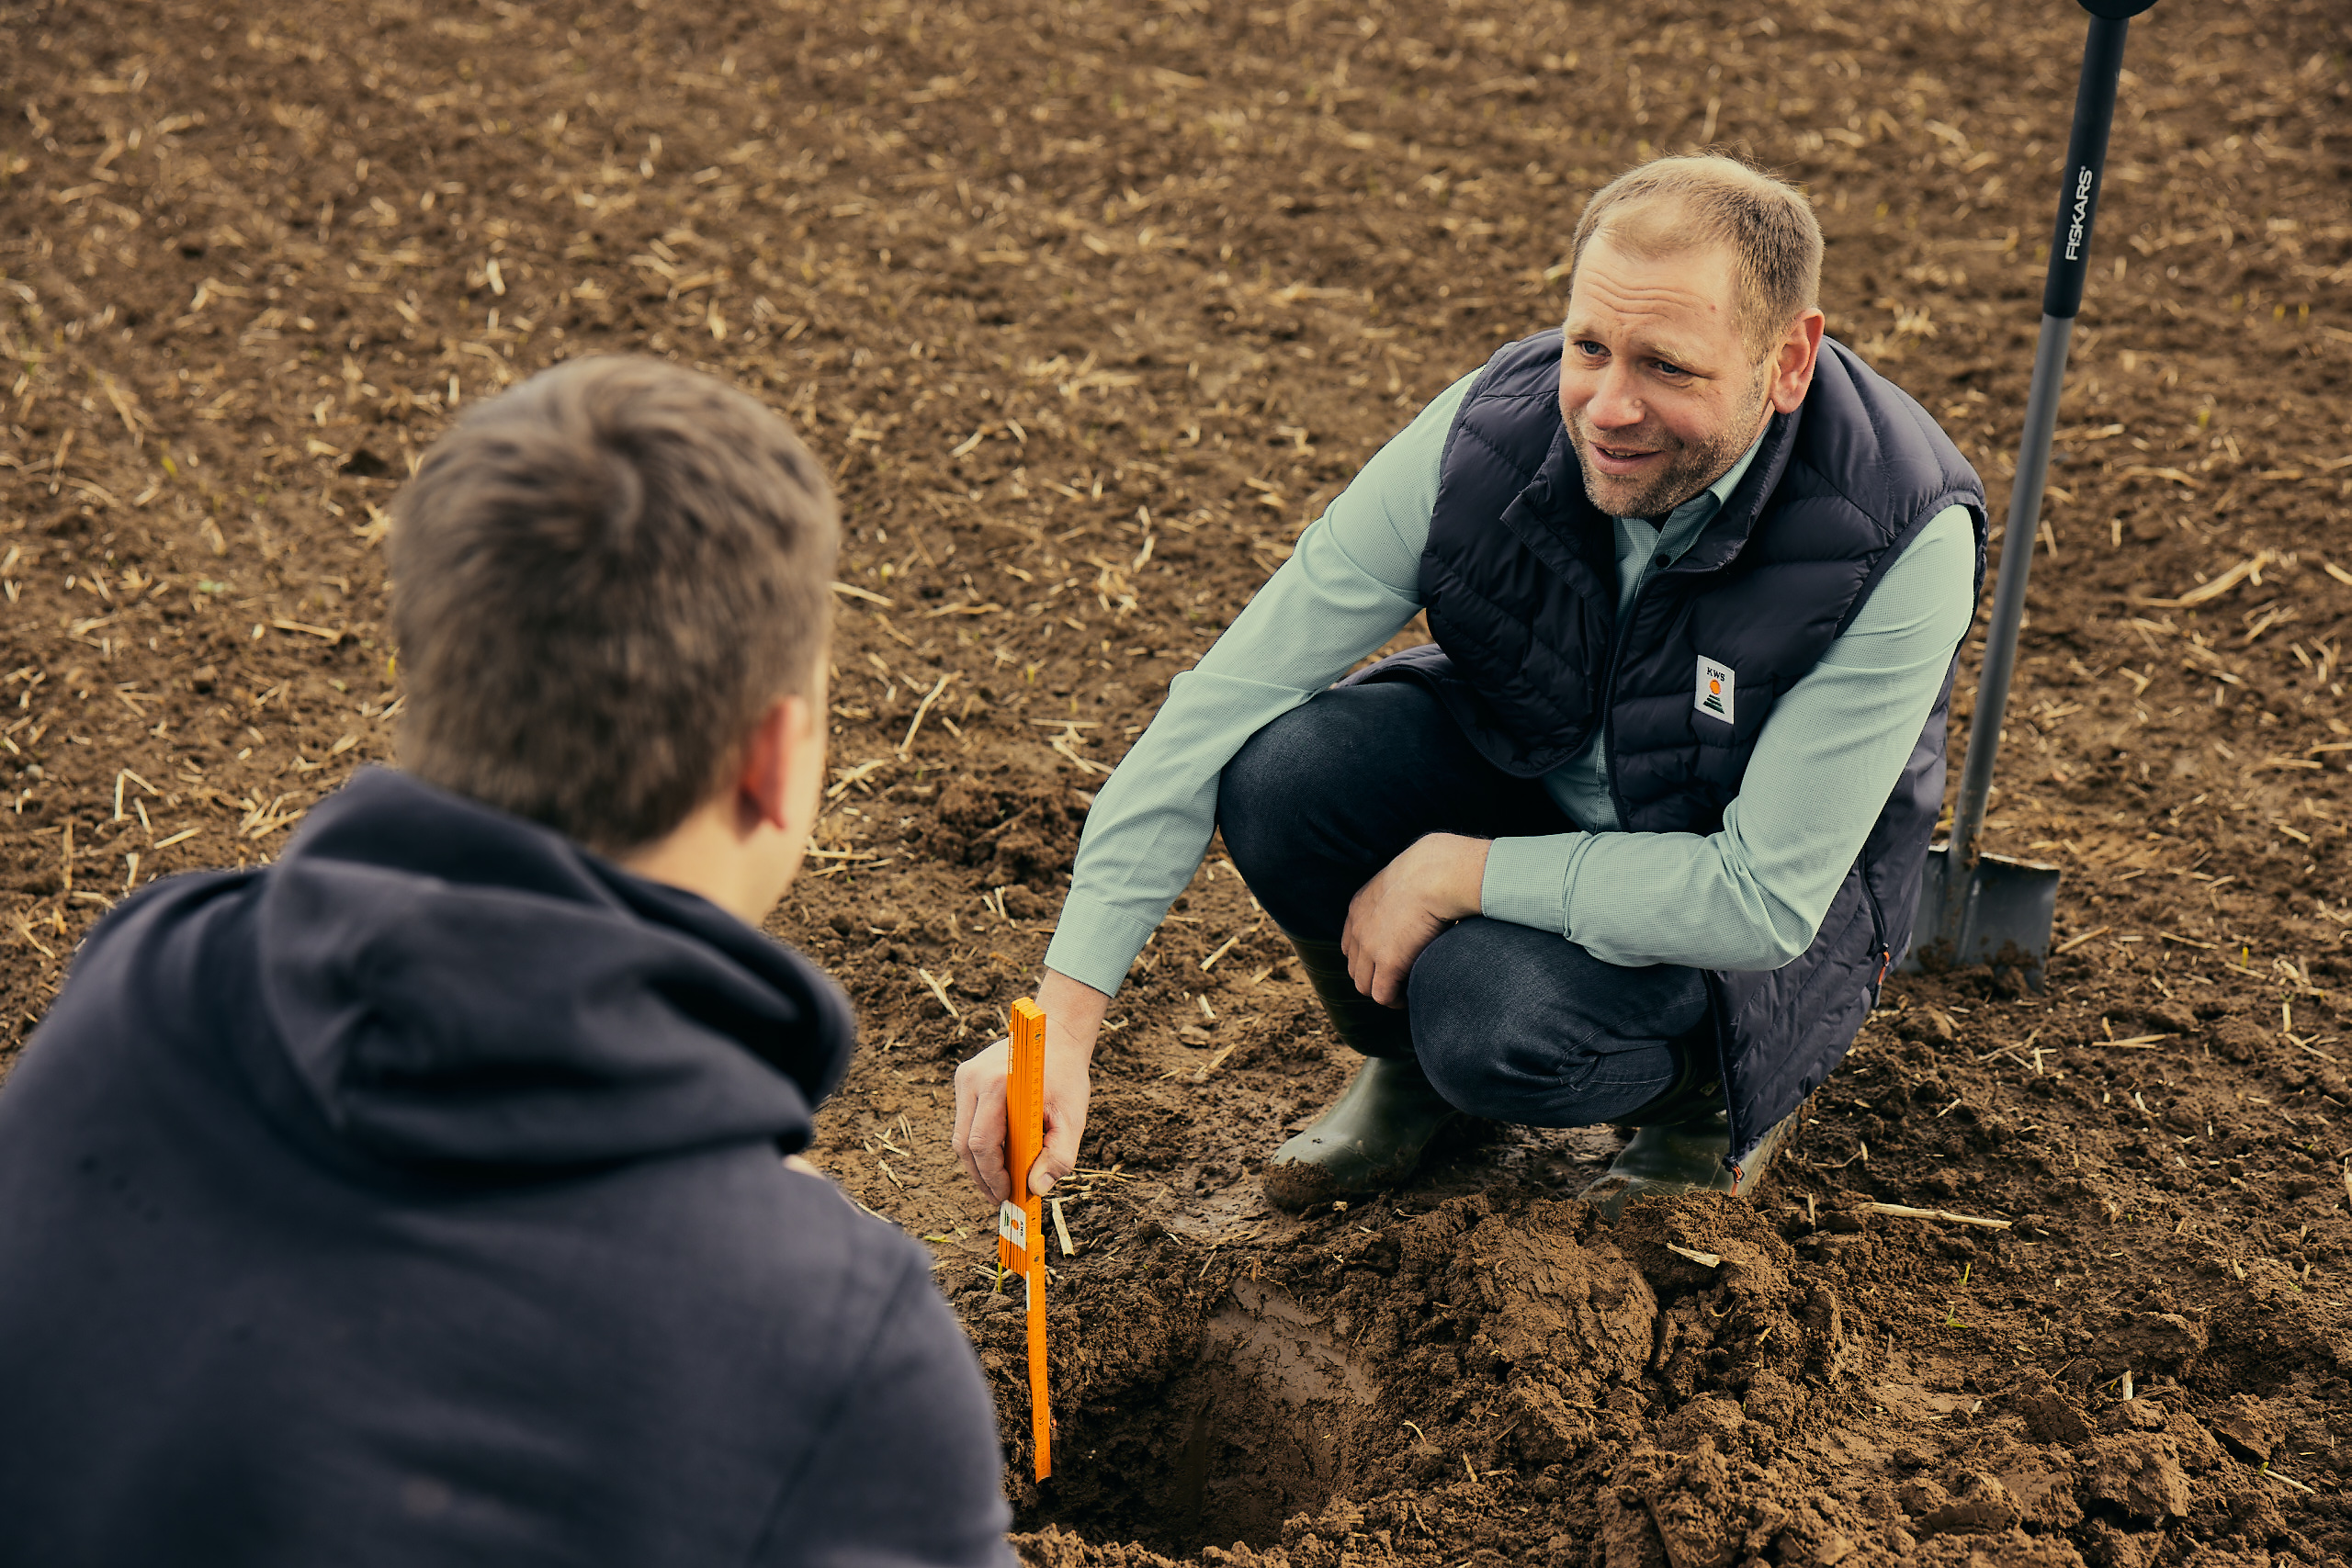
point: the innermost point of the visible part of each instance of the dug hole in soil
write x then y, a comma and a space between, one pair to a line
1092, 309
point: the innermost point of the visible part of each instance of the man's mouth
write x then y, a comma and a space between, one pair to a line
1621, 459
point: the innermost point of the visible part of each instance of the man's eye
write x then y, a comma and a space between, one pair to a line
1668, 368
1590, 350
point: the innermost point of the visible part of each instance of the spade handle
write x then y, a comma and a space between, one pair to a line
2062, 298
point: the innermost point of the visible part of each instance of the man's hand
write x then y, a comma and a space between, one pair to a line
1433, 883
1073, 1018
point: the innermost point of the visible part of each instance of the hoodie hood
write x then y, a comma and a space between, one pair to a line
458, 987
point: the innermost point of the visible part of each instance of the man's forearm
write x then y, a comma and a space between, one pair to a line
1349, 585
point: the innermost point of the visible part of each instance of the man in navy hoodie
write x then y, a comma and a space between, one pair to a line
422, 1197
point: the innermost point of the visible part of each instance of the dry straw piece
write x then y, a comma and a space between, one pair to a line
1905, 1212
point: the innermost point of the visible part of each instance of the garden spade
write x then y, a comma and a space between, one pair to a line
1974, 906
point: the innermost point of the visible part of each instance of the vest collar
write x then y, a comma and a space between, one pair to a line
1720, 542
1555, 520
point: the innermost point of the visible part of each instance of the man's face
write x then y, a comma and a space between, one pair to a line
1660, 389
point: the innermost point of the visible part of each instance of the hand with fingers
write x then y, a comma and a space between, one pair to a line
1073, 1018
1400, 911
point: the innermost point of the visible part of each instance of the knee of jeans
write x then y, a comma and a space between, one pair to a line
1454, 1043
1468, 1069
1449, 1062
1259, 793
1242, 803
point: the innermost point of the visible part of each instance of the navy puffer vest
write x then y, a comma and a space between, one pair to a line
1519, 582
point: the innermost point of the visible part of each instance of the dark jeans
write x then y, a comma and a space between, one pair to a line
1510, 1022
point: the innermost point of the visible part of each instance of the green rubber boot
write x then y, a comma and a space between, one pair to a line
1360, 1023
1369, 1140
1667, 1158
1374, 1133
1696, 1093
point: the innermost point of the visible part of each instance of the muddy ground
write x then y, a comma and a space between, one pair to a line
1092, 306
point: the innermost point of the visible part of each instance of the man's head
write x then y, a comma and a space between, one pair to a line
1692, 315
612, 604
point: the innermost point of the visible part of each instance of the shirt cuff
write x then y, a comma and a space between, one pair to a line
1526, 881
1093, 942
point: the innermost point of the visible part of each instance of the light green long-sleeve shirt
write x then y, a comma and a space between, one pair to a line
1750, 896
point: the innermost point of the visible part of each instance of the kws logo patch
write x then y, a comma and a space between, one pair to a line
1713, 697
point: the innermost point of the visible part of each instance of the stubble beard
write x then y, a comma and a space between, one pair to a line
1690, 467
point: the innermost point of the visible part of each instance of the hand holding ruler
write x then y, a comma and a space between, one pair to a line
1020, 1235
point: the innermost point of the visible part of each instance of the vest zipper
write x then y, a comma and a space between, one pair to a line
1878, 930
1651, 572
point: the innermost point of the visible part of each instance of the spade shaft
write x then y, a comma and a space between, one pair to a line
1955, 914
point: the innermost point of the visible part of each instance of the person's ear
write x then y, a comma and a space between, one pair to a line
762, 783
1794, 359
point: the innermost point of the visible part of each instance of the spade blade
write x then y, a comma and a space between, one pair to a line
2003, 917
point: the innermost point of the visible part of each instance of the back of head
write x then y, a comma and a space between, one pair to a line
601, 579
1670, 206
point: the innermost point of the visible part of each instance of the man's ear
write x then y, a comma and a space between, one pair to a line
1794, 359
762, 784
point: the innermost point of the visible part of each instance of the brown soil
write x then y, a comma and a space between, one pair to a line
1093, 307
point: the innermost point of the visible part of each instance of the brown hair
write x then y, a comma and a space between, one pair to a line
1672, 205
601, 579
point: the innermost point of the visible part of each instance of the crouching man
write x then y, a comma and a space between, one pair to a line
422, 1197
1635, 838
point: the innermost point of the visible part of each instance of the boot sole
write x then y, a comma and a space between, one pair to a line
1298, 1184
1613, 1192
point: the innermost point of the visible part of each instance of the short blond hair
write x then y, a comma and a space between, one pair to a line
1670, 206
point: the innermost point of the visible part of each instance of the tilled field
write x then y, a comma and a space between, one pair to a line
1092, 306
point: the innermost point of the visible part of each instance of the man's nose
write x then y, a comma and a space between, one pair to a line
1614, 404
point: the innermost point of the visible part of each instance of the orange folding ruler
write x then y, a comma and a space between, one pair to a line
1020, 1233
